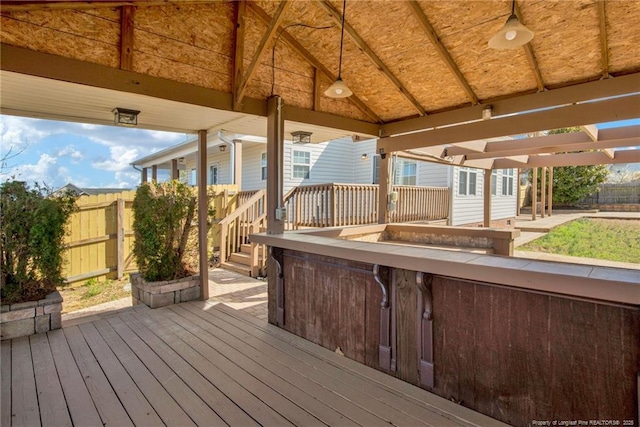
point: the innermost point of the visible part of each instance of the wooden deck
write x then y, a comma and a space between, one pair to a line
201, 364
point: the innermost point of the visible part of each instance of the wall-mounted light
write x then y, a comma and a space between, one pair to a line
301, 137
181, 160
487, 112
222, 148
125, 117
364, 156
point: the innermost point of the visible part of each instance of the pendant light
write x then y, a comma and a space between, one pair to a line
339, 89
513, 34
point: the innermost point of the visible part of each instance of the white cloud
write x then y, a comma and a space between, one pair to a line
70, 151
17, 134
44, 171
120, 160
125, 180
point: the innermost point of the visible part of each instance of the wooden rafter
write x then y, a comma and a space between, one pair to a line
444, 53
238, 58
531, 57
30, 5
366, 49
602, 17
267, 37
573, 115
126, 38
316, 89
312, 60
572, 159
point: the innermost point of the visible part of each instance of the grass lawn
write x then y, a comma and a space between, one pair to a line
94, 292
610, 239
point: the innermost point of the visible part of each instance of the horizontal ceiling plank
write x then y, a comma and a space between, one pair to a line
574, 115
375, 59
571, 94
27, 5
573, 159
311, 60
29, 62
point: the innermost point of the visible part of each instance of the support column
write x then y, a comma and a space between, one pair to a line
550, 196
174, 169
201, 180
237, 167
275, 152
543, 191
488, 176
384, 185
534, 193
518, 194
154, 173
143, 179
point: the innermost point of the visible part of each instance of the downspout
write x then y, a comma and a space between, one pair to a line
232, 156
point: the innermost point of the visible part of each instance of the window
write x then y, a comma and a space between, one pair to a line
467, 182
263, 164
194, 177
494, 182
507, 182
376, 170
301, 164
406, 171
213, 174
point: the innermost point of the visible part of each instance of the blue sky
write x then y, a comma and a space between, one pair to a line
56, 153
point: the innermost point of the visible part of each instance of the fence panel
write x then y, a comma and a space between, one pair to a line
615, 194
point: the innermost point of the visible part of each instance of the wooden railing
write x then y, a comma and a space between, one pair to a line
420, 203
333, 205
249, 217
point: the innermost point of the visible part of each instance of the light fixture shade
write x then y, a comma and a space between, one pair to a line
512, 35
125, 117
301, 137
338, 89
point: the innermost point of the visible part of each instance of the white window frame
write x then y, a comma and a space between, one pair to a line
194, 177
214, 178
295, 164
263, 166
401, 176
507, 182
375, 179
465, 186
494, 182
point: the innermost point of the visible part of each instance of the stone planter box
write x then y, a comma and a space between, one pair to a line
160, 294
33, 317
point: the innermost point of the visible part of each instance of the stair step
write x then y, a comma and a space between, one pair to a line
240, 258
246, 248
238, 268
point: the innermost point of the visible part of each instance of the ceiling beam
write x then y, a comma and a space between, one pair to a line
31, 5
573, 115
364, 47
126, 37
267, 37
572, 159
312, 60
591, 131
29, 62
444, 53
604, 49
531, 57
550, 98
238, 49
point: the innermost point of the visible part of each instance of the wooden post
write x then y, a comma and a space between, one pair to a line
543, 191
202, 214
275, 151
384, 184
126, 37
154, 173
488, 175
120, 236
534, 194
143, 179
174, 169
332, 206
518, 194
237, 163
550, 195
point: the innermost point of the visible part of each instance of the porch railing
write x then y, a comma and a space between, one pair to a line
331, 205
249, 217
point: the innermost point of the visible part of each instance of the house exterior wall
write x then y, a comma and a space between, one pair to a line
214, 157
252, 168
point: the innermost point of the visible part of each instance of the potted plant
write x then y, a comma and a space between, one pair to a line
163, 214
32, 229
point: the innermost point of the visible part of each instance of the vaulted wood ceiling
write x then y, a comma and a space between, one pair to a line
414, 66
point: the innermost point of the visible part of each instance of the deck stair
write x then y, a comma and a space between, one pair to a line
240, 262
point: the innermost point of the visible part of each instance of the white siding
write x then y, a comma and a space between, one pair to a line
363, 168
504, 206
432, 175
214, 156
251, 167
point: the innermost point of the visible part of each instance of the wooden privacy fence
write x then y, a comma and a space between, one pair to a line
100, 234
331, 205
615, 194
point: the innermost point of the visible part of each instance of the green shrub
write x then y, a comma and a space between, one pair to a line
162, 214
32, 229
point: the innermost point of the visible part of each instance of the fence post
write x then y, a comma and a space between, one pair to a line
120, 236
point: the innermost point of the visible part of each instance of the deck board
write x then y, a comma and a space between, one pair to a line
81, 407
53, 407
202, 364
24, 401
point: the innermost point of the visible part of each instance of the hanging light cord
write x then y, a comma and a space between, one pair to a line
273, 50
513, 7
344, 12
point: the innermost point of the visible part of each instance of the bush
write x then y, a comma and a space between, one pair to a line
32, 229
162, 214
